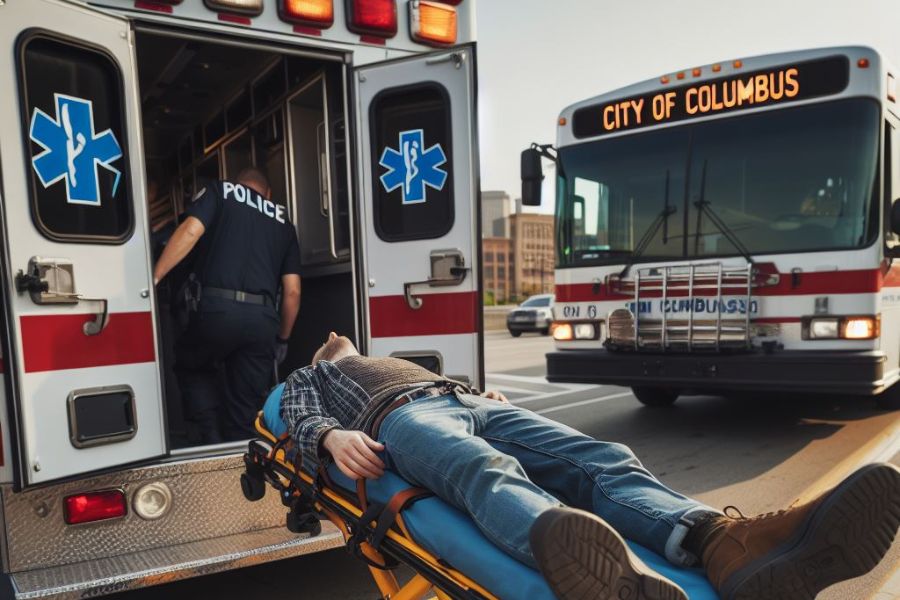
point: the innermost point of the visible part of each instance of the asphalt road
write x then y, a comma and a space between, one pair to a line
758, 453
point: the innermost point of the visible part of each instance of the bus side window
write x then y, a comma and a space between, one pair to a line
895, 161
892, 171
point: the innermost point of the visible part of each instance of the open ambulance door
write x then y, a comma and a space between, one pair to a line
418, 203
77, 291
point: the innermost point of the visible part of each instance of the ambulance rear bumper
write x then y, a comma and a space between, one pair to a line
837, 372
209, 527
164, 565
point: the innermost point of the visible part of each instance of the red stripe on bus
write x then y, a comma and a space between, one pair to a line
440, 314
863, 281
57, 342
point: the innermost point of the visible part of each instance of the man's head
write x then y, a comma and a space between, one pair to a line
335, 348
256, 180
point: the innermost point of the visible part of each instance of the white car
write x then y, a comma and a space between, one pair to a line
535, 314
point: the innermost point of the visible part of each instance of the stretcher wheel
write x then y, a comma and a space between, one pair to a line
303, 522
254, 488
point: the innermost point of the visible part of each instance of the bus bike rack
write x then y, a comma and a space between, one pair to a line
712, 281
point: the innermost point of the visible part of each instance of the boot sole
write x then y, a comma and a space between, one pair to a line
845, 537
582, 558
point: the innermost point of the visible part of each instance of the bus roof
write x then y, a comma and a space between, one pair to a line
798, 77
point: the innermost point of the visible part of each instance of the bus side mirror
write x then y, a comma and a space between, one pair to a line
895, 216
532, 177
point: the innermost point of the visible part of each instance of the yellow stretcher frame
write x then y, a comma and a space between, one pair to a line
433, 579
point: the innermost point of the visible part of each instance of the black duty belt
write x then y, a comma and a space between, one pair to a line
236, 295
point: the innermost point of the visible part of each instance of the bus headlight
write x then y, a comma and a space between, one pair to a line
859, 328
562, 332
865, 327
585, 331
824, 329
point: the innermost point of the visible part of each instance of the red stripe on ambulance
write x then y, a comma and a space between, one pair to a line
57, 342
440, 314
862, 281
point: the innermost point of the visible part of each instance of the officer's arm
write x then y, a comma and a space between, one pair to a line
290, 303
182, 242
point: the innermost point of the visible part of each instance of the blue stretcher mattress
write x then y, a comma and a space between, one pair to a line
449, 534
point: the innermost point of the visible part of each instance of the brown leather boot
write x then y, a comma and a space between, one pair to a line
793, 554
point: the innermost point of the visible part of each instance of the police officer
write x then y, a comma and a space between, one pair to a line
246, 249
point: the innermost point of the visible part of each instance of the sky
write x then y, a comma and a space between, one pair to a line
537, 56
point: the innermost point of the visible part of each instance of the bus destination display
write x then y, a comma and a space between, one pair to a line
777, 85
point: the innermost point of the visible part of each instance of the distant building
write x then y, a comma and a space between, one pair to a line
533, 252
495, 209
497, 266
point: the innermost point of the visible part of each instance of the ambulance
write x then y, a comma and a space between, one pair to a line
114, 115
731, 228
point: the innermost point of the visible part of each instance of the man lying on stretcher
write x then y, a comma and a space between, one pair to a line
559, 500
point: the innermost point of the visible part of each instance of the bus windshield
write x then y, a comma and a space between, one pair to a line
789, 180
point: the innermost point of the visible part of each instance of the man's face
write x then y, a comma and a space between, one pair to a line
335, 348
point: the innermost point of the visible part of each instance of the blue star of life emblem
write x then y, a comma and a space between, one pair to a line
412, 168
72, 150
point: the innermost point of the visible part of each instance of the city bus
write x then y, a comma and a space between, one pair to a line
731, 228
115, 115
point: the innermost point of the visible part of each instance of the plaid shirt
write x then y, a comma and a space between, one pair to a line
318, 399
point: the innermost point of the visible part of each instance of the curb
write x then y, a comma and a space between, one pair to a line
880, 448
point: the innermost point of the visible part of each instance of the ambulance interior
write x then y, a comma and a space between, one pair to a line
210, 110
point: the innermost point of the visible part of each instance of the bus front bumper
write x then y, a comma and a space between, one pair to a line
836, 372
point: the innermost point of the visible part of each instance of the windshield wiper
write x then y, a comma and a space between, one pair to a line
702, 206
661, 220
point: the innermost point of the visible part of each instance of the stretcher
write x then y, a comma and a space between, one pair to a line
388, 522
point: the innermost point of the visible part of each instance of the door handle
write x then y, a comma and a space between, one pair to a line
52, 281
448, 267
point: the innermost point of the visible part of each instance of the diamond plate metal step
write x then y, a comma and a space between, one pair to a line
163, 565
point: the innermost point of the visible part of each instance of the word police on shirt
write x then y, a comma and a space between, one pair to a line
244, 195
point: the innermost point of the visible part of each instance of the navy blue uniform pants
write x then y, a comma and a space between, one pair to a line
224, 364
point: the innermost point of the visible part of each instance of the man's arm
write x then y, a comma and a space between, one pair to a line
182, 242
290, 304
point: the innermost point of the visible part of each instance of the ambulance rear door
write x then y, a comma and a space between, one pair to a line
418, 199
78, 295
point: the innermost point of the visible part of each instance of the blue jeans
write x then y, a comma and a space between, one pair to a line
504, 465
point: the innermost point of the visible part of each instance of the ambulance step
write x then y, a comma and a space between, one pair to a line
164, 565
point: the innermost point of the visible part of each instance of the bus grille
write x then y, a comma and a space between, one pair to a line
685, 308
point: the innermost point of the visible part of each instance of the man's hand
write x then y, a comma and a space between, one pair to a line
354, 453
495, 395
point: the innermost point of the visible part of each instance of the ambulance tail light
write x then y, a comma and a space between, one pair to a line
372, 17
311, 13
94, 506
432, 22
865, 327
250, 8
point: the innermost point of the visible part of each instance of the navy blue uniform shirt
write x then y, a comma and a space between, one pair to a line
249, 242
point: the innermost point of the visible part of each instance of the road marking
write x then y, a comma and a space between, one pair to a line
545, 411
553, 395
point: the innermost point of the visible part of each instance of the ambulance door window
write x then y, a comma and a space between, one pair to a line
75, 125
411, 137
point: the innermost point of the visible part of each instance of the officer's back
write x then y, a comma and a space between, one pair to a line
246, 250
249, 240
